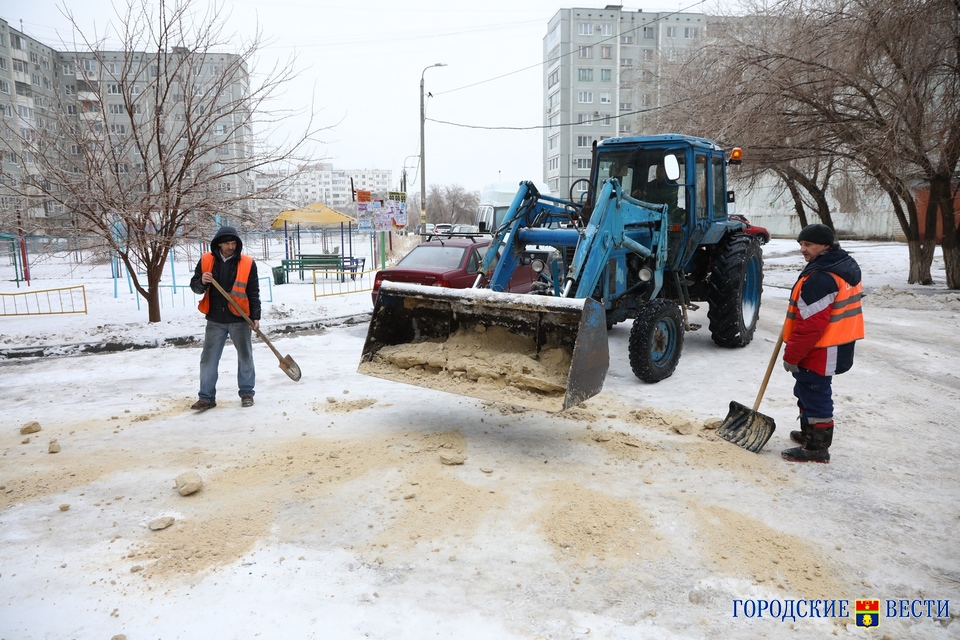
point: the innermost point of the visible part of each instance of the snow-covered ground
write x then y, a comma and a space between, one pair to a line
327, 510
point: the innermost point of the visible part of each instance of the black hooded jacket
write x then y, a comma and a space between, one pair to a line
225, 273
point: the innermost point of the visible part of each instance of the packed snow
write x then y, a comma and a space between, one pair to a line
346, 506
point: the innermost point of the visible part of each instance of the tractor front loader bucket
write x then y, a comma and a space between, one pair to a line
534, 351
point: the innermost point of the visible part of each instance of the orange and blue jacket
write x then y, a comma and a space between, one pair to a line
824, 317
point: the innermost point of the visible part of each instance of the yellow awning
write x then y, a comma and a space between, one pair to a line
316, 213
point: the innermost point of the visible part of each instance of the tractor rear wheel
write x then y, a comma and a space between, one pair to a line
656, 340
736, 283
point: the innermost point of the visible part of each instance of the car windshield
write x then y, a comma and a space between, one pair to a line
433, 256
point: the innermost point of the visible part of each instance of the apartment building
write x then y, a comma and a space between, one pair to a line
602, 79
333, 187
45, 93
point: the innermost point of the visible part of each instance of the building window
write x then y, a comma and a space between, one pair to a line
72, 109
606, 29
671, 32
585, 97
113, 89
3, 64
606, 52
553, 163
584, 141
584, 163
626, 62
626, 106
113, 67
19, 66
585, 118
606, 75
648, 55
691, 32
604, 122
116, 109
6, 110
553, 78
4, 87
586, 52
90, 66
37, 101
605, 97
649, 33
626, 39
553, 142
68, 70
624, 128
585, 75
585, 28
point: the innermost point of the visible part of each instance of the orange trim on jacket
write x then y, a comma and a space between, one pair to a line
846, 314
239, 291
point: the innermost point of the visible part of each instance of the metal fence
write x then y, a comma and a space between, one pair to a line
79, 258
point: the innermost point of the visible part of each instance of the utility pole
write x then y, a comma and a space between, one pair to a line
423, 168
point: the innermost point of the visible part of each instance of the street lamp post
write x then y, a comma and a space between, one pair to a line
423, 169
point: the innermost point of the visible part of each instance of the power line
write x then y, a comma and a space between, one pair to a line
551, 126
575, 49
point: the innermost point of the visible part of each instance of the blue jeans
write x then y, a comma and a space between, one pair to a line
814, 394
213, 340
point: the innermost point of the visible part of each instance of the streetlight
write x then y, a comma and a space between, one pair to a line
423, 172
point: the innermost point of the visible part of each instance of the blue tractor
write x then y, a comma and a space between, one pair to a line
645, 238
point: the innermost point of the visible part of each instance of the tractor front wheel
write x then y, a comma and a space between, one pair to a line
656, 340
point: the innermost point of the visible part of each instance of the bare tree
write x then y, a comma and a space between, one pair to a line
452, 204
865, 82
160, 139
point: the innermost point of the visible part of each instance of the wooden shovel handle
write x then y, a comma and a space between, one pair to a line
766, 377
245, 317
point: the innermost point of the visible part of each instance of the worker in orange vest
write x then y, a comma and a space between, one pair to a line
824, 321
237, 274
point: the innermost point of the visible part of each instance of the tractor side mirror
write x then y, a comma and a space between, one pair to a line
671, 167
482, 226
731, 197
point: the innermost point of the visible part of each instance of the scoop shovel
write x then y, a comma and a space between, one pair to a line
289, 367
748, 428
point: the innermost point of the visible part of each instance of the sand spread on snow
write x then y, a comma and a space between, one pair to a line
482, 362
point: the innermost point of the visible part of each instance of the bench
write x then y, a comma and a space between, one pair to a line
313, 262
354, 266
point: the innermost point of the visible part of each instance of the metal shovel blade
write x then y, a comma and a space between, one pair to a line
746, 428
289, 367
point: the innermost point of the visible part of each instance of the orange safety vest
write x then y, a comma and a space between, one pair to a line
239, 291
846, 314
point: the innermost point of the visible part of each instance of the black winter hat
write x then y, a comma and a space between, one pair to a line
225, 234
817, 234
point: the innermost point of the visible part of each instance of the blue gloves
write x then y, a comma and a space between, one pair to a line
792, 368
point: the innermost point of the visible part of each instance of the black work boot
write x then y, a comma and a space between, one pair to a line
816, 448
801, 437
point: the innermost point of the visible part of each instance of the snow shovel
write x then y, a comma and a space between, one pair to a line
748, 428
291, 368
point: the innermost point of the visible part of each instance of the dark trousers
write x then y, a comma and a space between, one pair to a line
814, 395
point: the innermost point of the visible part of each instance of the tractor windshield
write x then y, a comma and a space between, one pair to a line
642, 174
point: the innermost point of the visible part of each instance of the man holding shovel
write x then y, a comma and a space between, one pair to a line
824, 321
237, 275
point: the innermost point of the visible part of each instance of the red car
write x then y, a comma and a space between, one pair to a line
451, 262
752, 229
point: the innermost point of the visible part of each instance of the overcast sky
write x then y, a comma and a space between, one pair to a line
361, 62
